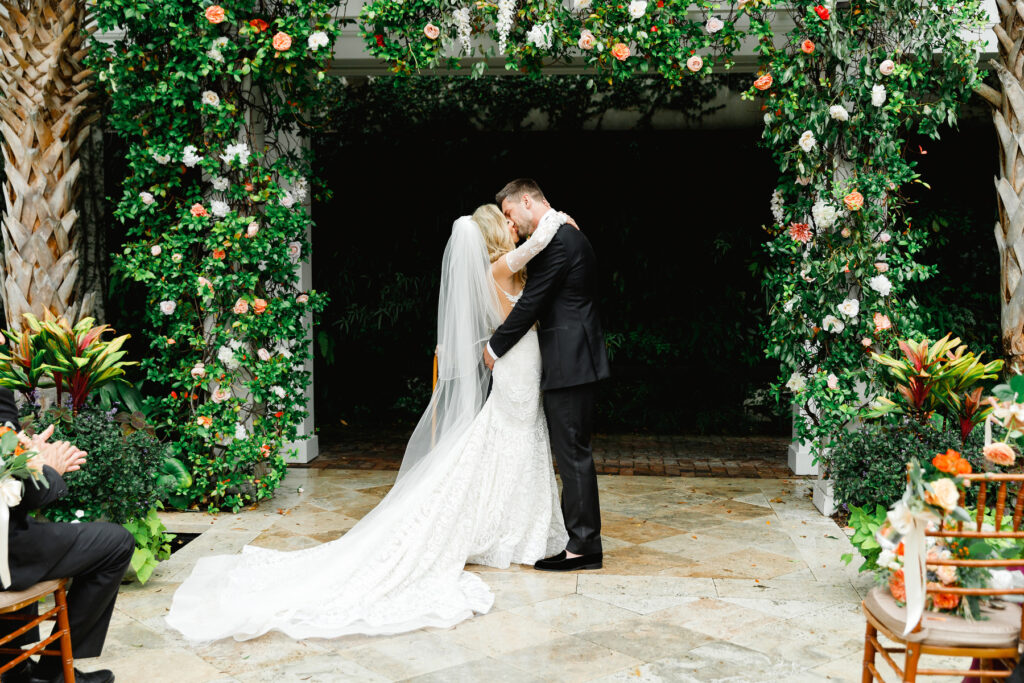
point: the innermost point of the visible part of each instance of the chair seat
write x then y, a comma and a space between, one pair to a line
10, 598
999, 628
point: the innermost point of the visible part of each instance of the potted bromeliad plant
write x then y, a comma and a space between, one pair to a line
130, 472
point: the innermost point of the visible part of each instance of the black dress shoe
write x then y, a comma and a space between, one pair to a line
101, 676
19, 674
562, 563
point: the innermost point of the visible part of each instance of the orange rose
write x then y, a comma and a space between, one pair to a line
259, 24
259, 306
620, 51
1000, 454
807, 46
199, 211
219, 254
897, 586
214, 14
946, 462
854, 201
281, 41
963, 467
763, 82
241, 307
205, 421
948, 601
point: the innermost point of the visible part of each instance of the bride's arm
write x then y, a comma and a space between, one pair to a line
516, 260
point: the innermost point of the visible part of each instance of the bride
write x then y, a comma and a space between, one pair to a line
476, 485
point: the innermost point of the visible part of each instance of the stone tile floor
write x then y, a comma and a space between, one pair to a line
704, 580
761, 457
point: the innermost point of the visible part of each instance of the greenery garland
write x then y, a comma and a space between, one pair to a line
216, 220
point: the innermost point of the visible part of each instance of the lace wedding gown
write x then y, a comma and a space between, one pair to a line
489, 498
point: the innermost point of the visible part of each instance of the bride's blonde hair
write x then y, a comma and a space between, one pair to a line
496, 236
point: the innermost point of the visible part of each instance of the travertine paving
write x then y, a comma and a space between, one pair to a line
704, 580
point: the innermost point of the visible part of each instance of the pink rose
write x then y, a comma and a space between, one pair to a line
263, 354
587, 40
205, 284
884, 237
881, 266
198, 371
294, 250
845, 232
281, 41
620, 51
241, 307
214, 14
431, 31
259, 306
253, 228
866, 342
198, 210
695, 63
155, 250
302, 298
220, 395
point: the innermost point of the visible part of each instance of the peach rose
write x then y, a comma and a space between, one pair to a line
587, 40
1000, 453
897, 586
281, 41
205, 421
947, 601
695, 63
763, 82
241, 307
214, 14
947, 574
944, 494
882, 322
259, 305
854, 201
807, 47
198, 210
620, 51
431, 31
882, 267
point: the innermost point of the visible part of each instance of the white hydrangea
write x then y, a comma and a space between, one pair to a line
219, 208
227, 358
850, 308
788, 306
288, 200
796, 382
162, 159
807, 141
540, 35
777, 206
824, 214
214, 52
878, 95
317, 40
838, 112
240, 432
211, 98
278, 391
832, 324
190, 156
506, 11
220, 183
238, 149
880, 284
637, 8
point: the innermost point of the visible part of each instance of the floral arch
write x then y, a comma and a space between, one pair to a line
213, 100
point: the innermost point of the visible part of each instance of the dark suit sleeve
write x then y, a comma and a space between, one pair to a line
541, 285
37, 496
8, 409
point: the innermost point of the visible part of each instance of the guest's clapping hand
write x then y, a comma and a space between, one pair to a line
60, 455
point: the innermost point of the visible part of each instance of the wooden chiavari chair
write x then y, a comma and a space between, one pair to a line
12, 601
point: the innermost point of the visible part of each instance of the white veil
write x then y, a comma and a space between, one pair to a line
467, 315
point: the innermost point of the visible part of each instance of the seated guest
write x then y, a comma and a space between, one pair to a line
94, 555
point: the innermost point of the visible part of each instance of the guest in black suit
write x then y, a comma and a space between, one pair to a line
95, 555
561, 295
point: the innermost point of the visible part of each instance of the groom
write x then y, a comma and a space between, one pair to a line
561, 294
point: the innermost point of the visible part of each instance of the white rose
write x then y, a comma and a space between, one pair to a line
227, 358
887, 67
211, 98
253, 228
278, 391
824, 215
177, 258
317, 40
888, 559
901, 518
540, 35
580, 4
240, 432
295, 250
947, 574
155, 250
198, 370
850, 308
807, 141
788, 306
880, 284
796, 382
219, 208
146, 198
838, 112
190, 157
637, 8
878, 95
215, 54
832, 381
220, 184
161, 159
884, 237
832, 324
263, 354
714, 25
288, 200
167, 307
220, 394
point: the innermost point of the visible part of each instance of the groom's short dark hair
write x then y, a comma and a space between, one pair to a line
517, 188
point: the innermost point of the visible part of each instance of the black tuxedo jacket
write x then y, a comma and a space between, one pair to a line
561, 295
33, 547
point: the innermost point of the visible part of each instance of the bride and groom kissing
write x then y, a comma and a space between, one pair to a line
518, 361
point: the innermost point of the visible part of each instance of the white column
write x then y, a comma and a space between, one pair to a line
800, 459
308, 445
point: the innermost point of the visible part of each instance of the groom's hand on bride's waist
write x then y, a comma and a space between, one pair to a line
488, 358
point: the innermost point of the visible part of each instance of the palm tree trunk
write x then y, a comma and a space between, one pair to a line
44, 119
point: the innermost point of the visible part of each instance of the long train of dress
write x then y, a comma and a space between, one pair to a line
490, 498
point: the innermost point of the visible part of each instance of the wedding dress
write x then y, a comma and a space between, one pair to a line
477, 486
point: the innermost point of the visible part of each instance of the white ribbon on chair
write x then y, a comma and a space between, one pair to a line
911, 525
11, 490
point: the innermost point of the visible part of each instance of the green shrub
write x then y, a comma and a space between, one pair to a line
868, 467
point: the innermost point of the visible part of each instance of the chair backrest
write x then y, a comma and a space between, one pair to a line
1004, 485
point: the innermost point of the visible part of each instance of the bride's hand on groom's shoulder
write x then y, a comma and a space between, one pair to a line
571, 221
